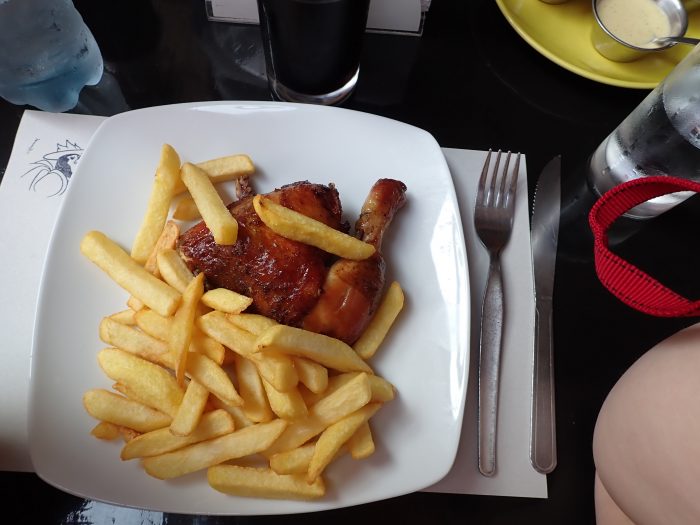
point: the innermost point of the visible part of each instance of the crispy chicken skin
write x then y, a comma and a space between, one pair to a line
294, 283
353, 289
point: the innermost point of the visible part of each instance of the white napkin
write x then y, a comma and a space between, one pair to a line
34, 173
45, 144
514, 474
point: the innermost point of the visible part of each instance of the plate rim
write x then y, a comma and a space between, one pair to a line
551, 55
464, 334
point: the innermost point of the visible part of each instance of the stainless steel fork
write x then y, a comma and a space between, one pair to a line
493, 221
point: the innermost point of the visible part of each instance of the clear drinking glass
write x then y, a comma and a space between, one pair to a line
312, 47
48, 54
660, 137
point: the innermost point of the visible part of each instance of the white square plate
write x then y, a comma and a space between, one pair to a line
426, 356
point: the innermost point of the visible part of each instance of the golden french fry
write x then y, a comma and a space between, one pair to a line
361, 444
167, 240
287, 405
186, 209
162, 192
216, 325
223, 169
226, 300
311, 374
328, 351
350, 397
134, 304
159, 327
181, 328
263, 483
392, 303
212, 424
298, 227
382, 390
127, 317
240, 443
334, 437
239, 417
205, 345
295, 461
128, 274
253, 323
105, 430
213, 378
276, 369
153, 324
255, 404
173, 269
128, 434
190, 410
108, 406
132, 340
130, 393
153, 385
218, 219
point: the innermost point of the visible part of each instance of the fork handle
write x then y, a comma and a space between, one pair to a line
489, 367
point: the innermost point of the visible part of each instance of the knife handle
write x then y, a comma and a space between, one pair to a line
489, 367
543, 441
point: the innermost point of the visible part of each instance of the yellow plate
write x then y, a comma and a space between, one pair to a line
561, 32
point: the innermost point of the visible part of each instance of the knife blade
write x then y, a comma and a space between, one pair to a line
544, 236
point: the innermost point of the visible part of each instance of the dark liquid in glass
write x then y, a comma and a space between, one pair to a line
312, 46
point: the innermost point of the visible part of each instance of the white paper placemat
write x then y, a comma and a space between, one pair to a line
47, 145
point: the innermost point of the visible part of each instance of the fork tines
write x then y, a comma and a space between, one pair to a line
490, 188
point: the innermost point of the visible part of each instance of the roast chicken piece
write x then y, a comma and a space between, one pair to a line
294, 283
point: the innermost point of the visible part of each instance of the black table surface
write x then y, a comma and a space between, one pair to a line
473, 83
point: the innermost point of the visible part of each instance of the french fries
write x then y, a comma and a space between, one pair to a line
255, 404
295, 461
218, 219
173, 269
287, 405
325, 350
238, 444
223, 169
212, 424
190, 410
183, 322
298, 227
167, 176
392, 303
361, 444
352, 396
153, 385
128, 274
113, 408
214, 378
186, 210
134, 341
263, 483
199, 383
226, 301
105, 430
311, 374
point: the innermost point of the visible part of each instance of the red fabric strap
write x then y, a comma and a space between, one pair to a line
624, 280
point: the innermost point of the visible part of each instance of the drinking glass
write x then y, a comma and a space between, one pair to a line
48, 54
312, 47
661, 136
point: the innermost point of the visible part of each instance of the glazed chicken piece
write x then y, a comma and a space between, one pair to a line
353, 289
294, 283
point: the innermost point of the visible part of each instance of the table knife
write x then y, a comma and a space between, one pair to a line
545, 230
